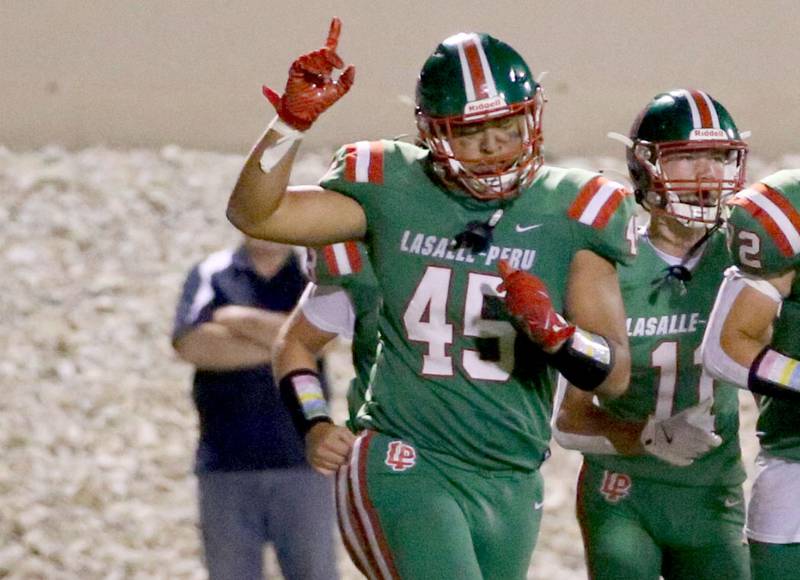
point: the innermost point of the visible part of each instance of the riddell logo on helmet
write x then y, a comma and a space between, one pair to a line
484, 105
707, 134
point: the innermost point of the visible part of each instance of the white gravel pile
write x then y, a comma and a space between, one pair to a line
97, 429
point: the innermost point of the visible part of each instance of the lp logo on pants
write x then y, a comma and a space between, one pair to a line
400, 456
615, 486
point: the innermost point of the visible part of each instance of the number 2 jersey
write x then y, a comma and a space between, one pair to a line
765, 241
451, 377
666, 320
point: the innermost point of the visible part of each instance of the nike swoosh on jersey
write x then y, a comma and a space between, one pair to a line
730, 502
537, 505
522, 229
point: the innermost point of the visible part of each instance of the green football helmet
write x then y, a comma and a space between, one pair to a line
469, 79
685, 122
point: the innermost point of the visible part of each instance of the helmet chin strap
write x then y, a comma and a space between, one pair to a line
680, 273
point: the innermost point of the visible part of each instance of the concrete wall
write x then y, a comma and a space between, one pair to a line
149, 72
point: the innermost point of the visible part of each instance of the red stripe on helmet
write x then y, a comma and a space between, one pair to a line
476, 69
706, 118
766, 221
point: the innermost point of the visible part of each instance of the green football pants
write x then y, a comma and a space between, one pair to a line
405, 514
641, 529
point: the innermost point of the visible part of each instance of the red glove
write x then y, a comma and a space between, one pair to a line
528, 301
310, 89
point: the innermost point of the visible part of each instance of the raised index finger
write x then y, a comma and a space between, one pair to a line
333, 34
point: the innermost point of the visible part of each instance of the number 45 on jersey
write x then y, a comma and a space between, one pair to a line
425, 321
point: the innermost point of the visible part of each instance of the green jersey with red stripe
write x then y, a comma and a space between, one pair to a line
765, 241
450, 376
346, 265
666, 321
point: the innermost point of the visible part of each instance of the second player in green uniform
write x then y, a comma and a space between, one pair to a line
660, 490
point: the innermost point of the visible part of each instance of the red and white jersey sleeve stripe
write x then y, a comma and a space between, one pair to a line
775, 214
364, 162
597, 202
342, 259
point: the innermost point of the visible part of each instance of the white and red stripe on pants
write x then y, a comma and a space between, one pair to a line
358, 521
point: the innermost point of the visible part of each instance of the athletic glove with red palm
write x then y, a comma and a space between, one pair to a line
311, 89
528, 301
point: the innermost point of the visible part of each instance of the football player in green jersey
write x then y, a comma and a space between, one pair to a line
342, 300
442, 480
660, 489
753, 341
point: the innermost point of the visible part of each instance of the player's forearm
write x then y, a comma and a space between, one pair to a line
594, 305
766, 371
617, 381
258, 193
593, 421
739, 327
290, 356
748, 328
299, 345
741, 346
624, 435
213, 347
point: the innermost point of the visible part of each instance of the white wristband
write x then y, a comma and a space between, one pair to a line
273, 154
287, 132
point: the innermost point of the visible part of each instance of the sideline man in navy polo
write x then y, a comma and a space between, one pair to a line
254, 483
